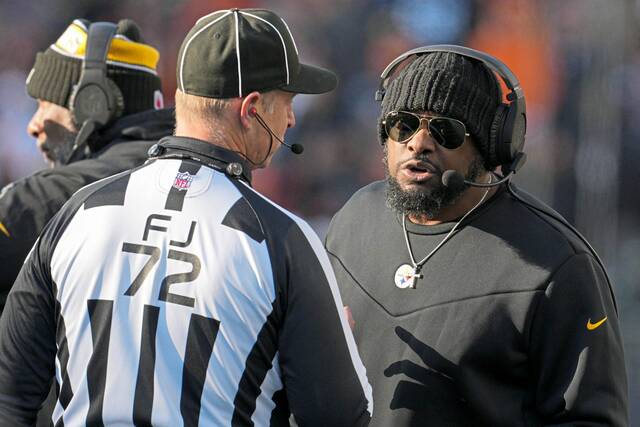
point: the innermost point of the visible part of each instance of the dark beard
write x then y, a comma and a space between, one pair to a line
426, 202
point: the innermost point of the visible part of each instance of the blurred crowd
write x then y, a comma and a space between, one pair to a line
578, 62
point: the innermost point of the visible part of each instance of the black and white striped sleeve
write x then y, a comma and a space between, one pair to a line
323, 374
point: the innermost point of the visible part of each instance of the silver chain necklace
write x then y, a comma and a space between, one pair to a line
407, 275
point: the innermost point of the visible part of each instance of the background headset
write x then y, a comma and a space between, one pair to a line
509, 125
95, 100
507, 134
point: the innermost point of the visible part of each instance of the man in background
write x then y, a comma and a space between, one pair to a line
137, 121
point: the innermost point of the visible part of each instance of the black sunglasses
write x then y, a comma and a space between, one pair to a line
401, 126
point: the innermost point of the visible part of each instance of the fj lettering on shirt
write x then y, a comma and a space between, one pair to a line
190, 311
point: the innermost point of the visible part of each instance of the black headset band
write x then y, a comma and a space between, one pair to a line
98, 42
495, 64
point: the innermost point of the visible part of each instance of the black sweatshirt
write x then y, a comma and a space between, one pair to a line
504, 329
28, 204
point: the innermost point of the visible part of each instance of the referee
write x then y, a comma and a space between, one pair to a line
174, 294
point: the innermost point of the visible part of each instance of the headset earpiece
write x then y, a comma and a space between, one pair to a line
253, 111
515, 129
495, 135
507, 134
92, 102
118, 97
96, 97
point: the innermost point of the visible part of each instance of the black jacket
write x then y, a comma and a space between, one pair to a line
513, 322
28, 204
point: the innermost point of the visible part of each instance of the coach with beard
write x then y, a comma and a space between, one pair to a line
472, 305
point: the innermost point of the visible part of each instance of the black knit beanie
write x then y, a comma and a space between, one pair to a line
58, 68
450, 85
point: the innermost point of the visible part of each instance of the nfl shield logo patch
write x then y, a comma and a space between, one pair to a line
183, 181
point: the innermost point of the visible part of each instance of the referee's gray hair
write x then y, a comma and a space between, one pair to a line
199, 106
207, 108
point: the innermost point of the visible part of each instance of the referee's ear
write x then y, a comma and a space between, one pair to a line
248, 108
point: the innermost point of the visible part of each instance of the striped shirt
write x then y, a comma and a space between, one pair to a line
174, 294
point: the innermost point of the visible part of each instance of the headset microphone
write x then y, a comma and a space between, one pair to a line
455, 180
295, 148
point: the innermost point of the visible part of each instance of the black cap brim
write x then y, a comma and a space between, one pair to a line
312, 80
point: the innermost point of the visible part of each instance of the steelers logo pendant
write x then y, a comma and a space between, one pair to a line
406, 277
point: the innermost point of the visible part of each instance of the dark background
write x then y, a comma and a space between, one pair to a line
578, 61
